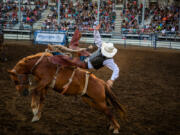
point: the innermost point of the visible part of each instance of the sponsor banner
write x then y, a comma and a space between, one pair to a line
50, 37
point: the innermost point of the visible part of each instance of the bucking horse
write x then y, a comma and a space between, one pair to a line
64, 79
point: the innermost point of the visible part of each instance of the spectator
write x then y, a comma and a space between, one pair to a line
84, 14
30, 13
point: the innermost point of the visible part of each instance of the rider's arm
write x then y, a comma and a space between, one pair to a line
113, 66
97, 36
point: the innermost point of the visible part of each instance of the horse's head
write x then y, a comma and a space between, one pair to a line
21, 82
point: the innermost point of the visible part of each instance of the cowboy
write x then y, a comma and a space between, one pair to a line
102, 57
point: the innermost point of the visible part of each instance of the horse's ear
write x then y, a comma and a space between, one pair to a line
11, 72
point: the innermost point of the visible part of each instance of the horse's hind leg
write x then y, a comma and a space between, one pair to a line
102, 106
109, 114
90, 102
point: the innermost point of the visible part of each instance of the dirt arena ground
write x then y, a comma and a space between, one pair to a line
148, 87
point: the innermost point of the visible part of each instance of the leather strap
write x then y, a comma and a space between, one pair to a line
66, 86
86, 84
39, 60
55, 77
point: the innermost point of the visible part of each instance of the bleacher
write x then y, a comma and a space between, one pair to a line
30, 13
26, 33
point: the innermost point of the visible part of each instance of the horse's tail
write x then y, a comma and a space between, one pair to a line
112, 99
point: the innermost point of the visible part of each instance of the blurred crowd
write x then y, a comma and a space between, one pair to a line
131, 13
165, 19
157, 19
82, 14
30, 12
8, 13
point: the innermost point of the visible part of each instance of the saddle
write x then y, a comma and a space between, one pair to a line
67, 61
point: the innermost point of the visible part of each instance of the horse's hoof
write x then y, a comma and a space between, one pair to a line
116, 131
35, 118
35, 111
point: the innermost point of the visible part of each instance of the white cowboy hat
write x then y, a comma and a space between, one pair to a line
108, 50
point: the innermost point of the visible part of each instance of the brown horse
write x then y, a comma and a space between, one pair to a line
95, 91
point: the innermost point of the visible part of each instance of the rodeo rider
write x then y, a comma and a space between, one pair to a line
102, 57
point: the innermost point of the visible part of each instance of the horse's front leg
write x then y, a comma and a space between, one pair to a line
37, 105
38, 95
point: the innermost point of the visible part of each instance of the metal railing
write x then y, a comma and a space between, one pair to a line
170, 40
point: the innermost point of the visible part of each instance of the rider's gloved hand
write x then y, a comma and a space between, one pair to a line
110, 83
89, 48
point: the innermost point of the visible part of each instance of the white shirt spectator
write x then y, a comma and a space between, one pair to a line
173, 29
163, 31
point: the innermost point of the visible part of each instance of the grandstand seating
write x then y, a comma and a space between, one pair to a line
84, 14
30, 13
162, 20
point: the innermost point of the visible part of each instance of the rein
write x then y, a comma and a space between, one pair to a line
39, 60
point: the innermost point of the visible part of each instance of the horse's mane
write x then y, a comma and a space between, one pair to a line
30, 57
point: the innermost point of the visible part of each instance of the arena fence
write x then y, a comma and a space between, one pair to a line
141, 39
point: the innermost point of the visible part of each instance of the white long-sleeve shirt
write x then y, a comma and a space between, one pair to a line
109, 62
